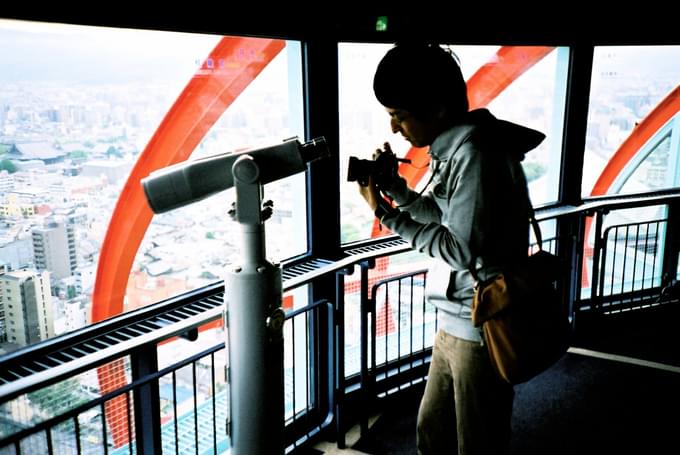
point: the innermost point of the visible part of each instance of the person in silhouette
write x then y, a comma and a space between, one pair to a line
472, 215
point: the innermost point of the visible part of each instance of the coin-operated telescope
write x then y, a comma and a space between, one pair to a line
191, 181
253, 289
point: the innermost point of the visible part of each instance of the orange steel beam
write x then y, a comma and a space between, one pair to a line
509, 63
235, 63
231, 66
642, 133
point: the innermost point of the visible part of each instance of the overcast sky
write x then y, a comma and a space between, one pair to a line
32, 51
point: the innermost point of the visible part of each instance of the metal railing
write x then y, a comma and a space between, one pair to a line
629, 263
402, 332
630, 267
133, 415
182, 408
54, 397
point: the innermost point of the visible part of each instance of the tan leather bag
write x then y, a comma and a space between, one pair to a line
520, 312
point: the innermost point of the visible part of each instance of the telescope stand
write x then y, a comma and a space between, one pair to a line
254, 327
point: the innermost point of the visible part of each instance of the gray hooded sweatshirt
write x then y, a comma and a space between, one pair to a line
474, 214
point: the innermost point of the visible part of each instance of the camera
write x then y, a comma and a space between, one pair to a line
383, 170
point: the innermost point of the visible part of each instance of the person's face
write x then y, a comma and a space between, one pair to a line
420, 132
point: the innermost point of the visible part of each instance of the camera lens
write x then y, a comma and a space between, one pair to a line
359, 170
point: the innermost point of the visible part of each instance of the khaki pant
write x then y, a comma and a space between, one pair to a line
466, 408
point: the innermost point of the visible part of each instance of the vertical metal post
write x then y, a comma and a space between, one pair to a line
367, 309
595, 296
254, 328
571, 245
144, 362
671, 244
339, 332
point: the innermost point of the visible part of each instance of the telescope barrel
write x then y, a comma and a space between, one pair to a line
191, 181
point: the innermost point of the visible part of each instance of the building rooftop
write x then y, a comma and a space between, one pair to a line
35, 151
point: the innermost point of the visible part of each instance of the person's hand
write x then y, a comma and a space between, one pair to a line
370, 194
386, 167
387, 148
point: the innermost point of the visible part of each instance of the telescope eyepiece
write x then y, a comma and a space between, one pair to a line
314, 149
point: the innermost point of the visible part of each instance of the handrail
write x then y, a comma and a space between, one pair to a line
16, 378
37, 379
312, 268
608, 202
22, 370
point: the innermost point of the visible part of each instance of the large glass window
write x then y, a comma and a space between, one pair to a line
632, 146
632, 135
192, 245
80, 105
533, 96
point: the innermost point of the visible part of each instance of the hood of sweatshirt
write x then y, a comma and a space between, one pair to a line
481, 125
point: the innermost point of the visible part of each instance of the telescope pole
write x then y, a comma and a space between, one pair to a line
254, 328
